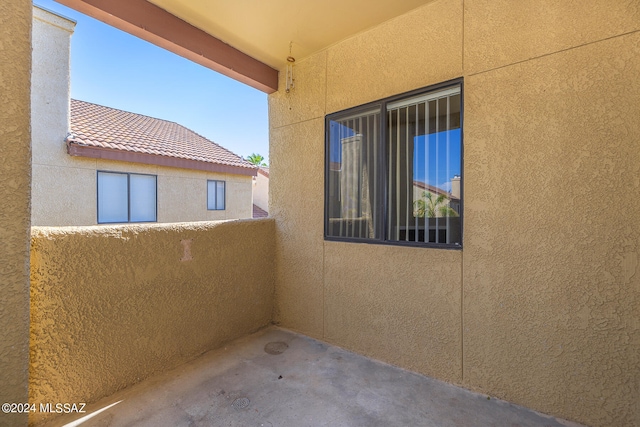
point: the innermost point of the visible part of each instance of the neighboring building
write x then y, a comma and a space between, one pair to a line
259, 213
451, 198
261, 193
195, 178
119, 166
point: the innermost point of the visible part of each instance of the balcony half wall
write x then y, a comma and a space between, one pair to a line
112, 305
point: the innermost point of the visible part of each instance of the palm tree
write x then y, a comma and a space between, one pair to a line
429, 206
256, 159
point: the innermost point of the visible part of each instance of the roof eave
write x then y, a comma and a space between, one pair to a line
78, 150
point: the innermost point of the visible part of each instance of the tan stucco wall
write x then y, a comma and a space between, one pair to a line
541, 305
134, 302
64, 187
55, 198
15, 177
331, 290
261, 192
300, 252
411, 320
550, 271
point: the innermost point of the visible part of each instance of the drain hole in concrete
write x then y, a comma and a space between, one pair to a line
241, 403
276, 347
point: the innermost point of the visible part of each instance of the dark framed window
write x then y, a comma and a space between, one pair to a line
216, 195
126, 197
393, 170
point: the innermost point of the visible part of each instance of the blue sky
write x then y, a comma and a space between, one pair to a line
442, 164
112, 68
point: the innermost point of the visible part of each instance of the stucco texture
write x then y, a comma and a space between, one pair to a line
61, 195
426, 44
15, 178
408, 315
182, 195
499, 33
330, 290
112, 305
552, 233
541, 305
307, 99
50, 82
297, 203
67, 195
261, 191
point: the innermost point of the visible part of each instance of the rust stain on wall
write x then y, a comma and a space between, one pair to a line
186, 249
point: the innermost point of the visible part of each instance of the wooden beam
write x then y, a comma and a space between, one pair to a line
154, 24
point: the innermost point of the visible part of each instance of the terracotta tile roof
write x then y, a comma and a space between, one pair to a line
433, 189
107, 128
264, 171
259, 213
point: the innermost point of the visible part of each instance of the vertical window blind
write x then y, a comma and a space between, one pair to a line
423, 161
352, 175
393, 170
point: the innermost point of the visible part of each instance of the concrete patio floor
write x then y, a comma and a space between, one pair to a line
278, 378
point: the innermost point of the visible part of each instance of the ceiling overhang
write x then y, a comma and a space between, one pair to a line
151, 23
247, 40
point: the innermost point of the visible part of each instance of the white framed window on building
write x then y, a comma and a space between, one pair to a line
393, 170
216, 195
126, 197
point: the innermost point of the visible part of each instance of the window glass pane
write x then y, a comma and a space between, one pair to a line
112, 197
220, 195
424, 164
215, 195
211, 195
353, 174
142, 197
